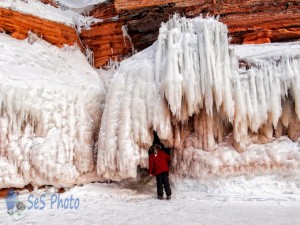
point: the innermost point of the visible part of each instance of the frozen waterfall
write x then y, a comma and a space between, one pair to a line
223, 109
50, 109
192, 89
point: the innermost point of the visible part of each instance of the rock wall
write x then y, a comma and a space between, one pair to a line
19, 24
106, 39
251, 21
248, 21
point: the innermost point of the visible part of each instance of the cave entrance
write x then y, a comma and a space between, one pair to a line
156, 140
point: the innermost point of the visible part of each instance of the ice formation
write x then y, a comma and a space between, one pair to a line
50, 108
190, 89
214, 104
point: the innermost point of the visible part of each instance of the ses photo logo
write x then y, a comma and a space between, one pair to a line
18, 209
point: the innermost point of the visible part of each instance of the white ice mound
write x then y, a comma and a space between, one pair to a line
50, 104
188, 88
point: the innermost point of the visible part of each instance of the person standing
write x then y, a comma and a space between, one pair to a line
159, 163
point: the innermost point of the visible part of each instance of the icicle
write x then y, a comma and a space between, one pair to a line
189, 88
90, 56
126, 35
50, 115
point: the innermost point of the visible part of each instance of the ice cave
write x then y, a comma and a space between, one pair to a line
222, 109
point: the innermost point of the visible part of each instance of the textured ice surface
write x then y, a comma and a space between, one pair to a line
192, 89
50, 104
225, 110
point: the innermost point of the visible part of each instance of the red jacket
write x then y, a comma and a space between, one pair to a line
159, 164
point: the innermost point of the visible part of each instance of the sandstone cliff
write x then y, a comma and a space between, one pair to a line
252, 21
106, 39
248, 21
19, 24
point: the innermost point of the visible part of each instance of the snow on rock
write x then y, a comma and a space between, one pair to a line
188, 88
37, 8
51, 104
76, 4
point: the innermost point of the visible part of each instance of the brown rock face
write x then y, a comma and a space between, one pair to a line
251, 22
50, 2
257, 41
283, 25
105, 11
18, 25
122, 5
106, 41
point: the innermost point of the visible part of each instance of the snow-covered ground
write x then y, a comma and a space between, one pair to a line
269, 200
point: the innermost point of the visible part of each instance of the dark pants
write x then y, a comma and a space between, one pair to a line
162, 180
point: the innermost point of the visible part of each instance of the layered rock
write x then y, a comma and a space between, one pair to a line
105, 11
277, 27
249, 21
19, 24
106, 39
